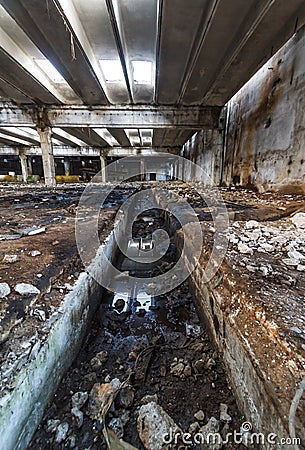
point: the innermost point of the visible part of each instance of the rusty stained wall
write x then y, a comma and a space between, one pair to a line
265, 141
205, 149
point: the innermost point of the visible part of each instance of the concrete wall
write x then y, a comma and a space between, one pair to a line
205, 149
265, 145
265, 137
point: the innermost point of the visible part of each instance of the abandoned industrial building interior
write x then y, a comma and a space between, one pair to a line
152, 243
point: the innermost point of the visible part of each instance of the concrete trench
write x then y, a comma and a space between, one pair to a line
36, 384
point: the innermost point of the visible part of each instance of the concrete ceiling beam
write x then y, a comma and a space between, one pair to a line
195, 118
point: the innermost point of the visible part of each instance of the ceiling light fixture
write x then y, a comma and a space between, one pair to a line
112, 70
50, 71
142, 72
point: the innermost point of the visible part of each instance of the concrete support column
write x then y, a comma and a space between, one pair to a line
30, 168
67, 166
47, 156
103, 165
142, 170
24, 166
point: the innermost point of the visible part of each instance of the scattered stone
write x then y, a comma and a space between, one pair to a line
177, 369
61, 432
102, 356
99, 396
5, 290
295, 255
34, 231
116, 425
250, 224
10, 259
199, 415
194, 427
26, 289
290, 262
264, 270
212, 427
266, 247
78, 417
296, 330
224, 416
52, 425
35, 253
79, 399
187, 372
199, 365
126, 397
244, 248
153, 424
301, 268
149, 398
298, 220
120, 304
192, 330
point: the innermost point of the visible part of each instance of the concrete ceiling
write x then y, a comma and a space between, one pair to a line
198, 53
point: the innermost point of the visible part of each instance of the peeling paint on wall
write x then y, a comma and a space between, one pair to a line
265, 142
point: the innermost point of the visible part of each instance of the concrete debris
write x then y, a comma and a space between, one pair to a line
192, 330
224, 416
177, 369
35, 253
79, 399
298, 220
5, 290
52, 425
194, 427
212, 428
33, 231
10, 259
153, 424
126, 397
243, 248
116, 425
26, 289
199, 415
250, 224
78, 416
100, 399
61, 432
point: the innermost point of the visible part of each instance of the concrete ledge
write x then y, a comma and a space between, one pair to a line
22, 409
248, 342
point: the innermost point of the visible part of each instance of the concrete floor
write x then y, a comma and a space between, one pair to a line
261, 341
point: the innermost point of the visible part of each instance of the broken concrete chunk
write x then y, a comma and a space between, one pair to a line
78, 417
244, 248
26, 289
177, 369
126, 397
199, 415
290, 262
79, 399
100, 398
298, 220
116, 425
5, 290
35, 253
52, 425
212, 428
250, 224
224, 416
10, 259
154, 426
61, 432
34, 231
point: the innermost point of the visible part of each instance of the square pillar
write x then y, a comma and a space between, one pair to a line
24, 165
103, 165
47, 156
